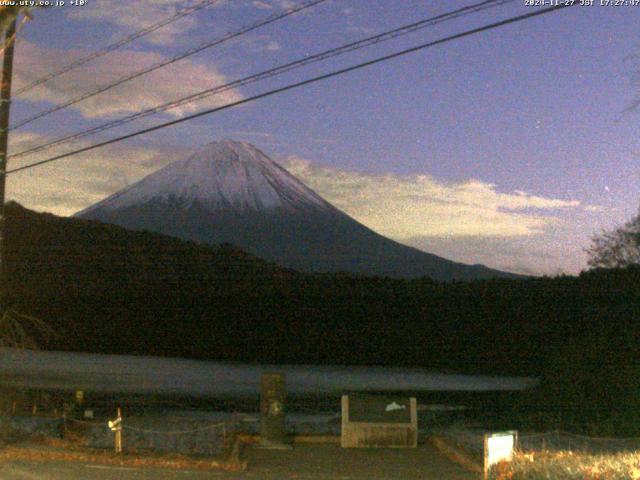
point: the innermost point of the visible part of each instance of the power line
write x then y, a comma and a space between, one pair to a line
114, 46
265, 21
309, 81
272, 72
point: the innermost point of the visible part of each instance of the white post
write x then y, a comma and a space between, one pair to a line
119, 432
485, 463
116, 426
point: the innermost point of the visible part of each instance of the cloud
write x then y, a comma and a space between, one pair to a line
261, 5
134, 16
404, 207
262, 43
352, 27
470, 221
271, 46
559, 250
594, 208
286, 4
67, 186
166, 84
277, 4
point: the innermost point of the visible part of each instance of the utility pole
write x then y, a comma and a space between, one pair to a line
5, 104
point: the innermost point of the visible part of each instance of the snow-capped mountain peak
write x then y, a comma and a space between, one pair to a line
231, 192
225, 175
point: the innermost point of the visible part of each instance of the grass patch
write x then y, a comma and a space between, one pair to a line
46, 449
566, 465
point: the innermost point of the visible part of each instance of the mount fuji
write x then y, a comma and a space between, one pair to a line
231, 192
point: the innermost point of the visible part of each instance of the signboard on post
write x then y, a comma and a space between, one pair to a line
376, 421
498, 447
116, 426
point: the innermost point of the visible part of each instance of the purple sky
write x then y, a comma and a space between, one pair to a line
508, 148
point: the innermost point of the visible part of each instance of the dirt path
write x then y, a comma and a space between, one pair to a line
320, 462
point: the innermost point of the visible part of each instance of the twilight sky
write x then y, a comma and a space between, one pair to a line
509, 148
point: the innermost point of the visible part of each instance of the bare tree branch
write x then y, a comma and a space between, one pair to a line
618, 248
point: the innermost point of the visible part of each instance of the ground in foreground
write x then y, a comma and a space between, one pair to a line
303, 462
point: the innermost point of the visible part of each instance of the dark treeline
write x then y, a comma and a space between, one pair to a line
107, 289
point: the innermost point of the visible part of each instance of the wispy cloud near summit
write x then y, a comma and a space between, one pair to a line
408, 206
469, 221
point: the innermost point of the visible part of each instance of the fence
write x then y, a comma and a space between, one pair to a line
472, 442
194, 435
161, 434
565, 441
32, 425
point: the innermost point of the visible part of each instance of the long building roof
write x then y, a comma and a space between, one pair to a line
123, 373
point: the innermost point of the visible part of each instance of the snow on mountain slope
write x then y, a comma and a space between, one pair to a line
222, 175
231, 192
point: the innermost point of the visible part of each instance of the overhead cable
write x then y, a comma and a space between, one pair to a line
302, 83
265, 21
114, 46
272, 72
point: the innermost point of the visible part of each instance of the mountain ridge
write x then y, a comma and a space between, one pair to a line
231, 192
